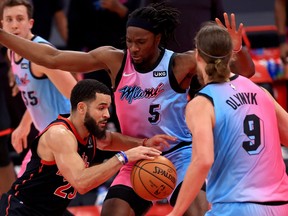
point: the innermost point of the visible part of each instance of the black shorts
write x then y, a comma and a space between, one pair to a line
10, 205
139, 205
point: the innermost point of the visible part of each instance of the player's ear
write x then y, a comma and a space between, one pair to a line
82, 107
158, 38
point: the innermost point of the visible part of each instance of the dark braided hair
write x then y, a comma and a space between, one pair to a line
85, 90
163, 18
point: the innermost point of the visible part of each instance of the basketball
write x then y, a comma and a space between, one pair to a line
154, 179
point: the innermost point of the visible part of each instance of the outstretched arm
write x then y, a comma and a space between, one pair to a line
243, 63
53, 58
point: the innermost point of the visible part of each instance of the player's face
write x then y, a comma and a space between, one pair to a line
16, 21
97, 115
143, 45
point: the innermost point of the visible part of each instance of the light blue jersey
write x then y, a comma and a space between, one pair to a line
42, 99
248, 164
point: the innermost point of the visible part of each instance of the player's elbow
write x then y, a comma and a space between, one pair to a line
251, 70
204, 163
80, 187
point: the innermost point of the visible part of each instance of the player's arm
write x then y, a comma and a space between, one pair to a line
62, 146
116, 142
282, 119
20, 134
200, 120
50, 57
63, 80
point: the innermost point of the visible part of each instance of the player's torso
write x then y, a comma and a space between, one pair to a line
41, 97
42, 186
152, 102
245, 143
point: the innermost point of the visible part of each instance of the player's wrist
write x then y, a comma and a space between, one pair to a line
237, 50
122, 157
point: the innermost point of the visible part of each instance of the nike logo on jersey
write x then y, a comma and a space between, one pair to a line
159, 73
24, 66
128, 74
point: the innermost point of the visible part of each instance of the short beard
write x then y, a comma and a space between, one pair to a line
93, 128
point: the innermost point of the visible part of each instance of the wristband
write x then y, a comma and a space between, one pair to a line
124, 156
236, 51
282, 38
144, 141
120, 158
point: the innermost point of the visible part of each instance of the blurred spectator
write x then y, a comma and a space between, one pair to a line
281, 22
45, 12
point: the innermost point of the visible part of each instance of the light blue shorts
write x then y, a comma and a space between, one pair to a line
247, 209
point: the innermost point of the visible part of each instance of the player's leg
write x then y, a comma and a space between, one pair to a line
181, 159
7, 173
121, 200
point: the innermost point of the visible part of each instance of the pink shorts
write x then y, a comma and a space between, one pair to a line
24, 163
123, 176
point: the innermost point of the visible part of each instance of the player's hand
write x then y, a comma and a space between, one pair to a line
236, 34
142, 152
159, 141
12, 83
19, 138
110, 5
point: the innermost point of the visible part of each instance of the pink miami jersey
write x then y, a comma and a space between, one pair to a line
150, 103
248, 164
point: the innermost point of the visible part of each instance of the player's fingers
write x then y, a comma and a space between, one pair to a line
24, 143
233, 21
17, 146
218, 21
227, 22
167, 137
240, 28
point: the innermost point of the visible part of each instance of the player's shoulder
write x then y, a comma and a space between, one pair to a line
58, 129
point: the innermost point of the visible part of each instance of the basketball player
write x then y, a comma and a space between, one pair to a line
45, 91
238, 141
63, 152
151, 89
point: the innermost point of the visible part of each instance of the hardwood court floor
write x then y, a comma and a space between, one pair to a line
156, 210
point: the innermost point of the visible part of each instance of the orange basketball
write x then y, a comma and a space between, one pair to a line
154, 179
